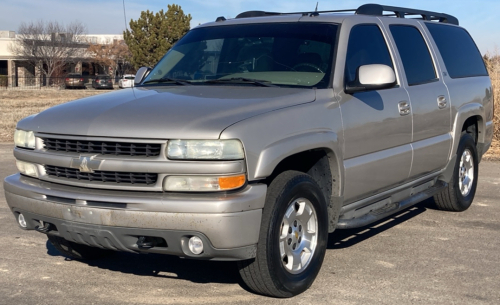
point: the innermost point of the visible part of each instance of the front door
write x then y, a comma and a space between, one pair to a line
377, 133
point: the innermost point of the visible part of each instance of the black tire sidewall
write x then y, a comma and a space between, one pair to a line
302, 186
466, 142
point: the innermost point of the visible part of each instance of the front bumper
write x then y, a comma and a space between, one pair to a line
228, 224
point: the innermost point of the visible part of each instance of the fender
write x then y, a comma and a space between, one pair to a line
274, 153
278, 151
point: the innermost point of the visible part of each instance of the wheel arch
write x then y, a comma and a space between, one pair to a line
470, 118
318, 155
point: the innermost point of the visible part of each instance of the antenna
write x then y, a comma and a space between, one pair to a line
124, 15
316, 7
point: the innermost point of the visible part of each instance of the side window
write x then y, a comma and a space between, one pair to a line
414, 53
366, 46
460, 54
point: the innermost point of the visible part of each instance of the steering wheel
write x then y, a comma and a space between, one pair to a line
309, 67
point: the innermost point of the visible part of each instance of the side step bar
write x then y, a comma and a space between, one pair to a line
389, 209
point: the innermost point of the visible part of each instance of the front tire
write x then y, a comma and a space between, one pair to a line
292, 240
459, 193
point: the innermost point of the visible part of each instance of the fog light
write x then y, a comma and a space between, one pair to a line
21, 220
27, 168
195, 245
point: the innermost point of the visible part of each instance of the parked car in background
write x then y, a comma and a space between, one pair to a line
74, 80
127, 81
102, 82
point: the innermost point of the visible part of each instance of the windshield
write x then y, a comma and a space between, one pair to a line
282, 54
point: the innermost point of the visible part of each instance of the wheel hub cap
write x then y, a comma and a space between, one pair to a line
298, 235
466, 172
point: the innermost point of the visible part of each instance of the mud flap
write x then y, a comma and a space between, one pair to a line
334, 212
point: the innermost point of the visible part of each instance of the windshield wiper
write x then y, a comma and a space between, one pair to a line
236, 80
169, 80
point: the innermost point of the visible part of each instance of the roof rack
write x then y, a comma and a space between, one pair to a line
263, 14
401, 12
366, 9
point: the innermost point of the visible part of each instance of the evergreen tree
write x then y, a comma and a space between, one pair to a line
152, 35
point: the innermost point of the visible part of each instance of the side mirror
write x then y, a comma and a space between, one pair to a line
372, 77
141, 74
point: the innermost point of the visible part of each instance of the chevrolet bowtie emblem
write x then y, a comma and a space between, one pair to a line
86, 164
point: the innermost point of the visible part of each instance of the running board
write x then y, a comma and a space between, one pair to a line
390, 208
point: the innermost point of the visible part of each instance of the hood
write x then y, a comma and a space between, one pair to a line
187, 112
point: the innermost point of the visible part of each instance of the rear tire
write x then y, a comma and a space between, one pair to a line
292, 240
459, 193
77, 251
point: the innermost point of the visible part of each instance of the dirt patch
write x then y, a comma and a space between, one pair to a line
17, 104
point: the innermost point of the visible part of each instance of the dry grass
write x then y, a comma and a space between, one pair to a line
493, 154
17, 104
492, 61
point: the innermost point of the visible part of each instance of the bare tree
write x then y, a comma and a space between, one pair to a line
49, 45
111, 54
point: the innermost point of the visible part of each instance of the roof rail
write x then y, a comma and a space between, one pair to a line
263, 14
401, 12
256, 14
367, 9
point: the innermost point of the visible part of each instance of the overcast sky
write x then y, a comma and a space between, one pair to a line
479, 17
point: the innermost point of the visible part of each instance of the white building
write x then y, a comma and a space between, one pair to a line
20, 73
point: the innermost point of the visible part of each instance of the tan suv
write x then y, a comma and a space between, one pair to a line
254, 138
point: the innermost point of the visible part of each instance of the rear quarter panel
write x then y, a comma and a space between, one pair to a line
469, 96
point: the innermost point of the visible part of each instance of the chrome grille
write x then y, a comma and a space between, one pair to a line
103, 148
102, 176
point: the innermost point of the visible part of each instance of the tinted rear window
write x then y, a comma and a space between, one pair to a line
414, 53
459, 52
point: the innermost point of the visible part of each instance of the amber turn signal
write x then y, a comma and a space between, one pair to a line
233, 182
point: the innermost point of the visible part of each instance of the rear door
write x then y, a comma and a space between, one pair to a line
377, 134
429, 97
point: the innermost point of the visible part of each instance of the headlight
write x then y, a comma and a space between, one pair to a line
24, 139
203, 183
205, 150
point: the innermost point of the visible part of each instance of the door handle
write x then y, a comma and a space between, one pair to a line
442, 102
404, 108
